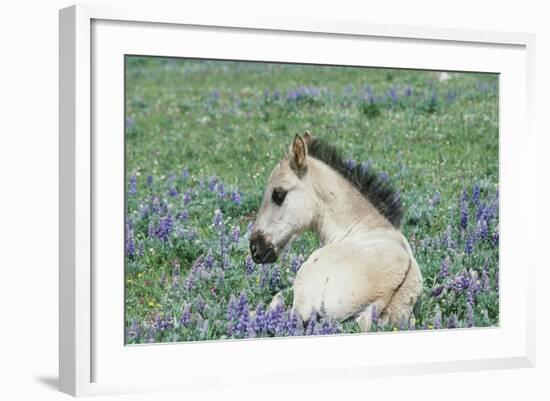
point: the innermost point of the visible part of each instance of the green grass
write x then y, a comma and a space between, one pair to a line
234, 120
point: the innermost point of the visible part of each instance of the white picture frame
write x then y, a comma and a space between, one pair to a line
93, 361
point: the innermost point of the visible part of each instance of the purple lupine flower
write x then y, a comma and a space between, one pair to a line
235, 234
482, 229
327, 327
187, 197
469, 315
310, 328
200, 304
249, 265
183, 215
350, 164
218, 218
257, 324
464, 215
393, 95
273, 318
275, 280
141, 249
447, 239
212, 181
296, 263
162, 323
164, 228
476, 191
294, 325
185, 317
132, 190
408, 91
236, 197
384, 176
437, 291
436, 323
149, 180
209, 259
220, 188
464, 197
185, 174
130, 243
469, 246
173, 192
264, 276
233, 310
444, 267
249, 228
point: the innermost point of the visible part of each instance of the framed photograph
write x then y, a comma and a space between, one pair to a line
294, 200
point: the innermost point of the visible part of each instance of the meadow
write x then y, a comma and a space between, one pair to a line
201, 139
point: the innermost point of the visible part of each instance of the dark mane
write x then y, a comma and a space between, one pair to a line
379, 192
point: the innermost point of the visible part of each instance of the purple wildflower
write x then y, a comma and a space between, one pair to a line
444, 267
464, 215
209, 260
173, 192
149, 180
437, 291
350, 164
393, 95
476, 191
218, 218
235, 234
212, 181
185, 174
162, 323
130, 243
249, 265
221, 190
164, 228
236, 197
187, 197
185, 317
132, 190
469, 246
275, 280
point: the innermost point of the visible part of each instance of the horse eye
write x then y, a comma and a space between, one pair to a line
278, 196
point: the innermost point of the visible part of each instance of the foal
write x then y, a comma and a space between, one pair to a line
365, 266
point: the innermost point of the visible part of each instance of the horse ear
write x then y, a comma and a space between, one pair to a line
308, 138
298, 153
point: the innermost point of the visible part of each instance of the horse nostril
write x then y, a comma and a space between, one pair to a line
253, 249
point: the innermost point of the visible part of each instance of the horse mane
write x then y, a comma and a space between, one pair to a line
379, 192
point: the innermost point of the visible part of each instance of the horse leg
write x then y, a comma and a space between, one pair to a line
400, 307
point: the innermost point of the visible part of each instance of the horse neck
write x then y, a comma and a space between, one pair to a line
343, 212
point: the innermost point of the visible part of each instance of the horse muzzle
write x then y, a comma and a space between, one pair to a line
262, 251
